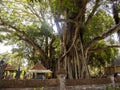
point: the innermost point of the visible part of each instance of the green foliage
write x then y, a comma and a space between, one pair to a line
100, 22
56, 45
100, 59
46, 30
2, 38
111, 88
61, 6
33, 30
13, 59
26, 20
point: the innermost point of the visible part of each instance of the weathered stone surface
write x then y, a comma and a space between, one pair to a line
28, 83
96, 81
46, 88
62, 79
53, 84
87, 87
17, 89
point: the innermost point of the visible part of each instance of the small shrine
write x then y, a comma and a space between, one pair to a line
9, 72
114, 68
39, 71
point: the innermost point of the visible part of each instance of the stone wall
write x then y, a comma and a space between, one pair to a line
60, 83
53, 84
31, 83
42, 88
81, 87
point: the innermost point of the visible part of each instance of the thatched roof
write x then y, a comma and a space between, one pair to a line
38, 67
10, 68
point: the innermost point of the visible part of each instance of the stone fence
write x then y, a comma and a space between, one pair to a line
54, 84
60, 83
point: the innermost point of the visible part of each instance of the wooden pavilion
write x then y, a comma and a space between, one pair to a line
39, 71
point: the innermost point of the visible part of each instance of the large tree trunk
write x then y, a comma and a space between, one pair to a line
75, 61
74, 58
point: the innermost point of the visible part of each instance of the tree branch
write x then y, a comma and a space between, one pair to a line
93, 11
82, 10
104, 48
30, 7
22, 35
104, 35
35, 45
68, 21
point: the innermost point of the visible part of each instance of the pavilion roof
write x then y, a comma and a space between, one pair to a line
38, 67
10, 68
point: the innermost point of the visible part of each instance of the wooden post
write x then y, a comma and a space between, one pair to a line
61, 75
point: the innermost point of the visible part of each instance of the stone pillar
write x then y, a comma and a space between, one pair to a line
112, 78
61, 76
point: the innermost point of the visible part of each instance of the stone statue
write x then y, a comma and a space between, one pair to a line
18, 72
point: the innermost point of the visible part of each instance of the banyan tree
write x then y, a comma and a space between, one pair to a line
81, 25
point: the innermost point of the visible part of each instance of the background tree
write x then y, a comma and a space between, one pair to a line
36, 36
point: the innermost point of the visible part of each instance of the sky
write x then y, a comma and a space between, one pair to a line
4, 48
